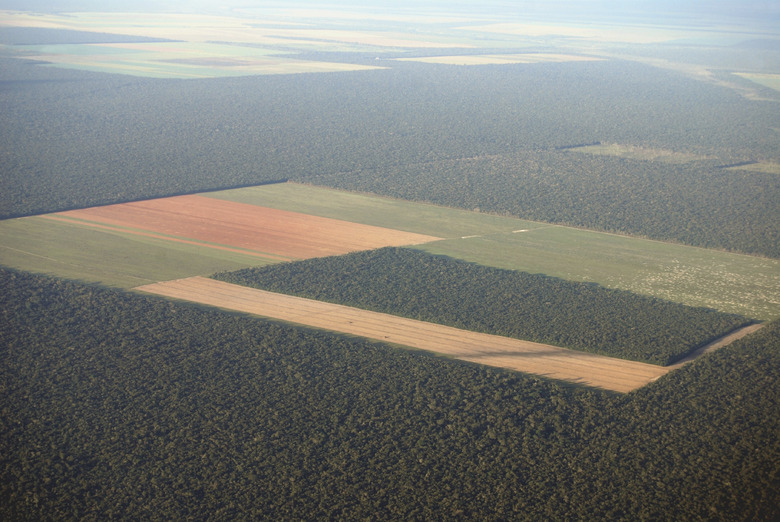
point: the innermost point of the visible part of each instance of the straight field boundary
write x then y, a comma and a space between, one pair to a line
539, 359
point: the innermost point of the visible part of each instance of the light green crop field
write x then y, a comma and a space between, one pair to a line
727, 282
367, 209
111, 258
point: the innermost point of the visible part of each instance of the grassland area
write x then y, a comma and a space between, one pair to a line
638, 153
117, 255
110, 257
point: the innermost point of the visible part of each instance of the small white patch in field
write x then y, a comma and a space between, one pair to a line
468, 237
521, 230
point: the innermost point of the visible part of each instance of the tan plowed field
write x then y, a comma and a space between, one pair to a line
539, 359
218, 223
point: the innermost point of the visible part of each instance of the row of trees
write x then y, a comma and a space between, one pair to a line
117, 405
534, 307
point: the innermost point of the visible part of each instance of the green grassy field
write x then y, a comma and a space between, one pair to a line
397, 214
117, 259
727, 282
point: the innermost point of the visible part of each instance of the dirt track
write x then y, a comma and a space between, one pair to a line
260, 229
539, 359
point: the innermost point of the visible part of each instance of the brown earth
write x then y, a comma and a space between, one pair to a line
240, 225
492, 350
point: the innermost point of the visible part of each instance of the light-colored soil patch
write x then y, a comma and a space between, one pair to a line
639, 153
539, 359
244, 226
501, 59
767, 80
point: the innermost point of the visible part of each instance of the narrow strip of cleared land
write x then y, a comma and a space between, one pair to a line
492, 350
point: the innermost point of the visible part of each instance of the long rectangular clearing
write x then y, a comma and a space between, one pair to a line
492, 350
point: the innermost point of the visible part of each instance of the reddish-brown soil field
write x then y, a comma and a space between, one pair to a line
260, 229
539, 359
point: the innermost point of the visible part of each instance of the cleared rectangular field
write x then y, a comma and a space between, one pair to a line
539, 359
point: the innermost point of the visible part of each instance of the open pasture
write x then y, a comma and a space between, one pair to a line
177, 59
727, 282
539, 359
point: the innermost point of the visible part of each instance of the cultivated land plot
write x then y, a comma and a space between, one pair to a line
134, 243
539, 359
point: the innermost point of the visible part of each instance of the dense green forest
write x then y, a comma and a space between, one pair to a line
534, 307
697, 203
486, 137
116, 405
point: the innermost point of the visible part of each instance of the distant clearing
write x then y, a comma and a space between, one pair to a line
638, 153
501, 59
178, 59
539, 359
767, 80
205, 46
